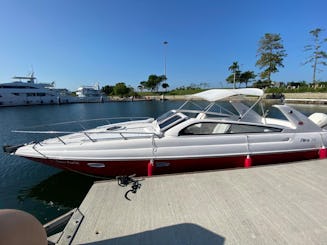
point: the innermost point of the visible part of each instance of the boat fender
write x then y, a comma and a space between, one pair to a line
247, 162
150, 167
322, 152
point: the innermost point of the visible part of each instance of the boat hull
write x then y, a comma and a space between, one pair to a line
167, 166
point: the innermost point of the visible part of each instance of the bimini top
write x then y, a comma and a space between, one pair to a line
218, 94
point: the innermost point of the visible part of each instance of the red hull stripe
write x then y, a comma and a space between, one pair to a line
140, 168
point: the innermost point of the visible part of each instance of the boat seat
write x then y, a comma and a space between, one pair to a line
221, 128
319, 119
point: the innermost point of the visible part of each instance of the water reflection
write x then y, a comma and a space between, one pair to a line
65, 189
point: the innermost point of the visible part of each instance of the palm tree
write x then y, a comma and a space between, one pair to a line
165, 86
234, 68
247, 77
143, 85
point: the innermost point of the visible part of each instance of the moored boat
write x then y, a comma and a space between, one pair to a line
20, 93
222, 132
91, 94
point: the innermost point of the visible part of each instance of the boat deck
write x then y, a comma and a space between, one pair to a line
279, 204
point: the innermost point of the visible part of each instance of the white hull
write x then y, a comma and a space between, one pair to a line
30, 93
177, 142
36, 100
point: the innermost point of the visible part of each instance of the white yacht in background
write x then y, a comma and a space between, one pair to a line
90, 94
25, 91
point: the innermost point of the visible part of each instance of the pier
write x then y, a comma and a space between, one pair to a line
307, 101
276, 204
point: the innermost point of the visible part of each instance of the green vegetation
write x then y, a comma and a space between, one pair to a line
235, 68
272, 53
165, 86
246, 77
298, 87
108, 90
317, 55
178, 91
185, 90
238, 76
120, 89
153, 82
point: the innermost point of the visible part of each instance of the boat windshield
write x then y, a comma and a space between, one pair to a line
163, 117
170, 119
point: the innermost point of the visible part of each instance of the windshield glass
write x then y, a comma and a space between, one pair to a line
165, 116
170, 121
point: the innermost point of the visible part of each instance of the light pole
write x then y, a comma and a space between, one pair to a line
165, 43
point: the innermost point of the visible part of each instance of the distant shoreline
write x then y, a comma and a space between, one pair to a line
301, 98
298, 98
306, 98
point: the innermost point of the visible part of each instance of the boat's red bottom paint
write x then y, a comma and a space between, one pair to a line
140, 168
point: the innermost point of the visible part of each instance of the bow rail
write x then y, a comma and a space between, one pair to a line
90, 132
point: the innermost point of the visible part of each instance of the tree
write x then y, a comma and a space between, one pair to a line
107, 89
241, 77
204, 85
143, 85
261, 84
234, 78
121, 89
140, 87
317, 56
153, 82
272, 53
247, 77
165, 86
234, 68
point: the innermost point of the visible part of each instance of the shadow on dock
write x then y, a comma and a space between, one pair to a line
186, 233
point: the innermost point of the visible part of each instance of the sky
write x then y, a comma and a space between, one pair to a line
83, 42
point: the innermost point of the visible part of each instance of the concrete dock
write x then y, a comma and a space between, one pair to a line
277, 204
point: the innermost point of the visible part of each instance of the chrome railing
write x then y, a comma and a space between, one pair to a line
86, 131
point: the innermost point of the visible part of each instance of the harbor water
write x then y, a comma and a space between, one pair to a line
47, 192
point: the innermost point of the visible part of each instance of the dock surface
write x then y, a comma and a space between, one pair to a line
279, 204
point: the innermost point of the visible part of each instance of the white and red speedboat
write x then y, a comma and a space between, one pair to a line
188, 140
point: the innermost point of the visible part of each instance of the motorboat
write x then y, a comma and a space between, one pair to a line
213, 129
25, 91
91, 94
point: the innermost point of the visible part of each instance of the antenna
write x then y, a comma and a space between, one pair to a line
32, 77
